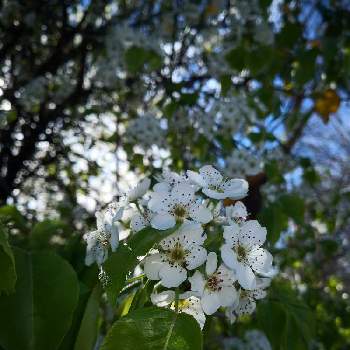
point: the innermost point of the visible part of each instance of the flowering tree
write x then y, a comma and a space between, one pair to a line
116, 233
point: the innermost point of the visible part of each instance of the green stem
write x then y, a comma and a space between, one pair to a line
133, 279
177, 293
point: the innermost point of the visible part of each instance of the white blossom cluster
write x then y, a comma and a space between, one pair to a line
232, 278
253, 340
145, 131
242, 163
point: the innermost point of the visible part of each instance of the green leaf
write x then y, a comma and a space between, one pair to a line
286, 320
7, 264
10, 214
43, 232
122, 262
293, 206
154, 329
135, 58
87, 334
86, 313
39, 313
275, 220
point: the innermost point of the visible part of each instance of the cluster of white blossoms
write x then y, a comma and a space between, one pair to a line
253, 340
242, 163
145, 131
190, 276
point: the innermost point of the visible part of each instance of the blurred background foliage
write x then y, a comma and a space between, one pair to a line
96, 94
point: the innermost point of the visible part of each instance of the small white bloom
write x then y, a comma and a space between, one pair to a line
214, 186
168, 180
236, 213
139, 190
140, 220
216, 288
177, 205
253, 340
187, 303
106, 235
179, 252
242, 253
246, 302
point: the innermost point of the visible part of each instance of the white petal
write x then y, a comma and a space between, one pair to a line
214, 194
227, 276
228, 256
100, 223
196, 257
212, 263
228, 296
236, 188
260, 260
182, 193
161, 187
195, 309
152, 265
163, 221
210, 175
195, 178
114, 240
90, 256
231, 234
244, 273
191, 233
163, 299
138, 222
237, 211
101, 254
246, 306
172, 275
252, 233
210, 302
197, 283
159, 202
230, 314
139, 190
258, 294
263, 282
245, 276
200, 213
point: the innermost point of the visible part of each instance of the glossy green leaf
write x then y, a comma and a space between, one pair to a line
86, 316
43, 232
154, 329
87, 334
122, 262
39, 313
7, 264
9, 214
275, 220
286, 320
293, 206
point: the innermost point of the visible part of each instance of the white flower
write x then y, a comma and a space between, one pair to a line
242, 253
140, 220
145, 131
168, 180
139, 190
106, 235
176, 205
236, 213
216, 288
179, 252
214, 186
246, 302
187, 303
242, 163
253, 340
